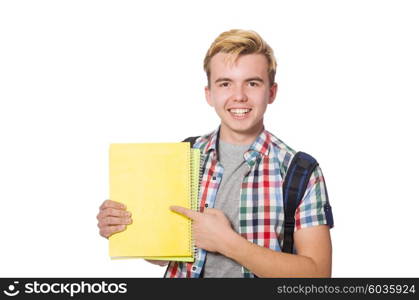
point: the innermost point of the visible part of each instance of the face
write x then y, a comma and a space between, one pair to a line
240, 93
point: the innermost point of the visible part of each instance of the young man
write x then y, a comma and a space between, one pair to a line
240, 227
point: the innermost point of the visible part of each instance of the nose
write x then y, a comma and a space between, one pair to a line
240, 94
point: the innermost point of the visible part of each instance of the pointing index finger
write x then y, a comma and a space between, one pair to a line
191, 214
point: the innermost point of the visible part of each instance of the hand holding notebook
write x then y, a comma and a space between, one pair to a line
113, 217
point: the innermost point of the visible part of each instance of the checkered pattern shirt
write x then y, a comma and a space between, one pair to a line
261, 211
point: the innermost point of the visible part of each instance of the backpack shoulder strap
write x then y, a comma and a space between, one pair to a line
191, 140
294, 186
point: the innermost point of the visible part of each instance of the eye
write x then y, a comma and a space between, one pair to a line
253, 83
224, 84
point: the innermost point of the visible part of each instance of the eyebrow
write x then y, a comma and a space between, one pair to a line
257, 78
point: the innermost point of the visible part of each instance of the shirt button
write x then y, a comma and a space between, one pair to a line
193, 268
206, 205
214, 178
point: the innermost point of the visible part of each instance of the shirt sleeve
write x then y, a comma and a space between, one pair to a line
314, 208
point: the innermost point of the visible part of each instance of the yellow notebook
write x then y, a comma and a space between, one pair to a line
148, 178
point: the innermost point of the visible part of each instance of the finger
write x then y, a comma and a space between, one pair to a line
191, 214
110, 230
113, 212
106, 221
112, 204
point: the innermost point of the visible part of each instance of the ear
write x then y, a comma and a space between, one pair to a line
208, 96
272, 92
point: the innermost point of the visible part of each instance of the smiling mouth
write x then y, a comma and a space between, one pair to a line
239, 112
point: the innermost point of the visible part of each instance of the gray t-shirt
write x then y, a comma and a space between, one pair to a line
228, 200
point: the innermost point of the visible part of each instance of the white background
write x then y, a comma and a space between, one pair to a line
78, 75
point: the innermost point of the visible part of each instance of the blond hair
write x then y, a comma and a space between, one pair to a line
237, 42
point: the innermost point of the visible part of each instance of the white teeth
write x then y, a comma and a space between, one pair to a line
239, 110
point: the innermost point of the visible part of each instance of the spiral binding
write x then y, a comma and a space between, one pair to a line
194, 249
191, 189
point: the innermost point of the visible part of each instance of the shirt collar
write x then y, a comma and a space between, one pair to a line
260, 147
213, 141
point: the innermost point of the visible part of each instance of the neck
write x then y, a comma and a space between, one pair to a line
240, 138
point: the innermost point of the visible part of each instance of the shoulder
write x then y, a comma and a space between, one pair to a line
202, 141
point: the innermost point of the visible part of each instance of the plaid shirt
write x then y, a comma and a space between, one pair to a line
261, 206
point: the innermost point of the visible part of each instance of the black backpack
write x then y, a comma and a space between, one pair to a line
295, 184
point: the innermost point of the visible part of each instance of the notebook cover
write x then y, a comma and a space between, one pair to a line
148, 178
